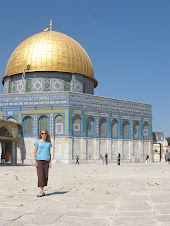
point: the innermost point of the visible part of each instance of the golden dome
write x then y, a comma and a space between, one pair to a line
50, 51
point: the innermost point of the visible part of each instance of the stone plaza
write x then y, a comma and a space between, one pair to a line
87, 194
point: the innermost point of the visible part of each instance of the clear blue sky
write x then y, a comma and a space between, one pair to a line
128, 42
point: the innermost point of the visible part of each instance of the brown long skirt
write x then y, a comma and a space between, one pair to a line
42, 172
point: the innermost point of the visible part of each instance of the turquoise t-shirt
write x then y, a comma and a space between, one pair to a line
43, 150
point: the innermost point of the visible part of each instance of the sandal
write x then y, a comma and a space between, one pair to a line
41, 195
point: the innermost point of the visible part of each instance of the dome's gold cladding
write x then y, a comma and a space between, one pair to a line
50, 51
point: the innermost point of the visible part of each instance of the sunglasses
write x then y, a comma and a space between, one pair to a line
43, 133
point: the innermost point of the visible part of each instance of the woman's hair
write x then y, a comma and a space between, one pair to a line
48, 135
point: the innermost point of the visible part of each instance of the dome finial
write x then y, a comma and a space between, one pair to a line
51, 25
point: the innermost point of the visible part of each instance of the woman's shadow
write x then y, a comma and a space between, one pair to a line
56, 193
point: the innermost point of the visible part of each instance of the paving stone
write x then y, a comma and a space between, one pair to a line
11, 215
70, 221
163, 218
148, 213
161, 208
22, 220
138, 206
48, 216
164, 198
4, 222
142, 221
164, 224
134, 198
98, 207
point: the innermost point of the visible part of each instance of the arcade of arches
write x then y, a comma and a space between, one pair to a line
9, 134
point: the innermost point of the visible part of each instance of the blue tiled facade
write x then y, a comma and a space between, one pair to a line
18, 106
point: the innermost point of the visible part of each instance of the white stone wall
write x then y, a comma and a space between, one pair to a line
125, 150
136, 149
102, 147
114, 150
90, 149
64, 149
25, 150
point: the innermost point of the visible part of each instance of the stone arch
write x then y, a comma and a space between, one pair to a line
5, 132
59, 125
103, 127
145, 130
76, 125
135, 130
114, 128
27, 125
90, 127
125, 127
6, 144
43, 123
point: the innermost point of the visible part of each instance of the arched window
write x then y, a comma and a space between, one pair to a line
145, 130
90, 127
76, 126
43, 123
136, 130
114, 128
102, 127
59, 125
27, 125
125, 129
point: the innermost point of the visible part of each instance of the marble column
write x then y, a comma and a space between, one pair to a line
131, 149
97, 148
109, 148
120, 148
141, 151
14, 153
70, 149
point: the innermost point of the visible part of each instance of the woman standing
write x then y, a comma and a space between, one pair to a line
42, 159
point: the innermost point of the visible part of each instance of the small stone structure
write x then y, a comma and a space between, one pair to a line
9, 135
160, 147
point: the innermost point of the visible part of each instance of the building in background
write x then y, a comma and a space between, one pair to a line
160, 147
49, 84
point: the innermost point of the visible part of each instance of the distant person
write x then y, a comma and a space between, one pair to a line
101, 160
166, 158
3, 162
133, 158
106, 155
77, 159
147, 159
118, 159
42, 159
169, 157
